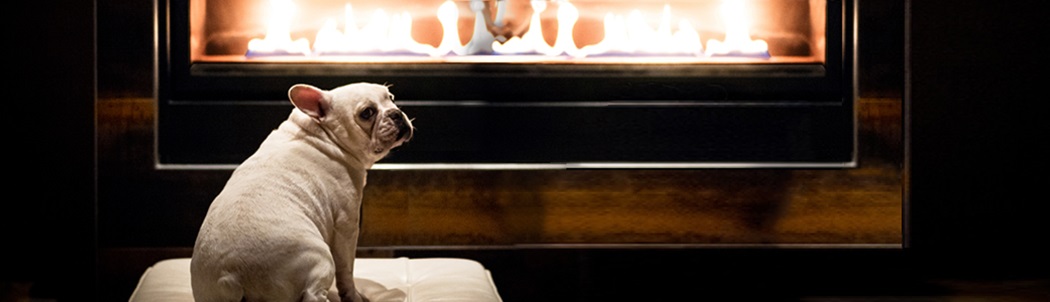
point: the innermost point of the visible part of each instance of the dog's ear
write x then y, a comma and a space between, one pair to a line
309, 99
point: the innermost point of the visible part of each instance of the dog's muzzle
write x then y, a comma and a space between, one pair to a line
404, 127
392, 129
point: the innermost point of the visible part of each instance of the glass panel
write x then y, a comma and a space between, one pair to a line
509, 31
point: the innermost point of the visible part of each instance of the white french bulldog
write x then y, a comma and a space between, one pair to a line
285, 227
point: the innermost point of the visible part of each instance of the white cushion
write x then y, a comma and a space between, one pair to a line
380, 280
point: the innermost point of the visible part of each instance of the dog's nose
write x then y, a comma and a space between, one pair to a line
404, 129
396, 116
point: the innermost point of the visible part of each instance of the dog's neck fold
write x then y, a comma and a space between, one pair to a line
354, 159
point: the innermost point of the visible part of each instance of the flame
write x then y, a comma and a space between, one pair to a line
278, 32
738, 35
383, 34
634, 36
448, 15
392, 34
532, 41
481, 41
567, 17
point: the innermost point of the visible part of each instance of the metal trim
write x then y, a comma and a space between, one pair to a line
558, 166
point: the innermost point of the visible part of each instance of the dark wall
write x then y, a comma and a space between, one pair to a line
880, 52
977, 156
47, 219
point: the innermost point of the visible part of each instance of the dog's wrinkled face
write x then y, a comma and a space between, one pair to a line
361, 117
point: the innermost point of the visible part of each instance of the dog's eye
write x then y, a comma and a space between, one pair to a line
391, 97
367, 114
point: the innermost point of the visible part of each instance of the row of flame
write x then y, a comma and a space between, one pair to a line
385, 34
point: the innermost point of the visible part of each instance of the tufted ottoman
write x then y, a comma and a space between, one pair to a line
378, 279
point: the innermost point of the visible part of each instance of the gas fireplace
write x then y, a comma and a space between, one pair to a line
524, 83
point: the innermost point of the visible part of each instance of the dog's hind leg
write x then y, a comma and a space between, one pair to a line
319, 284
230, 289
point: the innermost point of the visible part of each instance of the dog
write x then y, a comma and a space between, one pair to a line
285, 226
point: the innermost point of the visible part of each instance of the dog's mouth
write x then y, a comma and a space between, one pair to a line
392, 130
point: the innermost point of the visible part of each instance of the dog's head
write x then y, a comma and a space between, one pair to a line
361, 117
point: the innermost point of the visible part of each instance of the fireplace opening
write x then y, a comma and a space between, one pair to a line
509, 31
524, 83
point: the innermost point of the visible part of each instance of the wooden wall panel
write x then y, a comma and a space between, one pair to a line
596, 206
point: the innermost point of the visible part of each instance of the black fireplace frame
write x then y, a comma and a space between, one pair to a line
545, 116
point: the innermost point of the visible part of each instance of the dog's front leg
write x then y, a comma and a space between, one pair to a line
344, 249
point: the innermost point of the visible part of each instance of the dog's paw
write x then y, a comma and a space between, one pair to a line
354, 297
